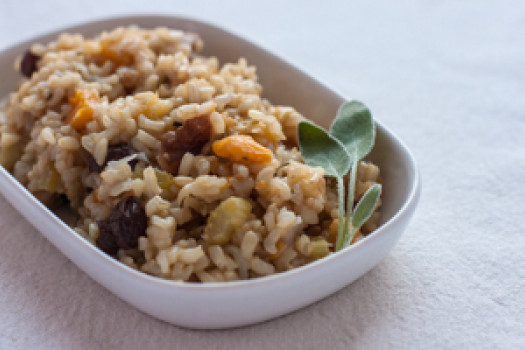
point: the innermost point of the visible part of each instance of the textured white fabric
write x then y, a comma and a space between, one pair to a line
446, 76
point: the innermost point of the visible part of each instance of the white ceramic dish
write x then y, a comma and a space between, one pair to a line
221, 305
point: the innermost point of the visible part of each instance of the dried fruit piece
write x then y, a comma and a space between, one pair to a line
190, 137
115, 152
84, 101
28, 64
106, 241
231, 214
128, 222
111, 52
242, 149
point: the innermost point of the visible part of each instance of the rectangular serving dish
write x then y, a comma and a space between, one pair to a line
228, 304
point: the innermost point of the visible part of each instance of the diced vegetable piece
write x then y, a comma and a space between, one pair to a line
84, 101
138, 173
53, 180
10, 155
319, 249
50, 181
231, 214
164, 179
242, 149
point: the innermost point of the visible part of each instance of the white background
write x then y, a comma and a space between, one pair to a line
447, 76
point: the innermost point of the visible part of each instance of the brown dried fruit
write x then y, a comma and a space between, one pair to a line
115, 152
190, 137
106, 241
128, 222
28, 64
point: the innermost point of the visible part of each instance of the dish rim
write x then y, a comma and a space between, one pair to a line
410, 200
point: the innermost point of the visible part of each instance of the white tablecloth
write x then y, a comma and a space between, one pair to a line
446, 76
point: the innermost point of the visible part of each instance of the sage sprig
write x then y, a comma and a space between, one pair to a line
351, 138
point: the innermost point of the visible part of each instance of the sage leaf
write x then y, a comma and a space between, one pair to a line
318, 148
366, 205
355, 128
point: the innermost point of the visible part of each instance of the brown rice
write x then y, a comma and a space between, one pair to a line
148, 83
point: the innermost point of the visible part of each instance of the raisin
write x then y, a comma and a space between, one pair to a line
60, 201
115, 152
106, 240
128, 222
190, 137
28, 64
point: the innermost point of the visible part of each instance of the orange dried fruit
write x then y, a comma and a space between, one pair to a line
84, 101
111, 52
242, 149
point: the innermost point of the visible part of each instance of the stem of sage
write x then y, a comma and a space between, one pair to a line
349, 229
341, 195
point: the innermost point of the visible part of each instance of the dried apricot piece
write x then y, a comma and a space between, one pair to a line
84, 101
242, 149
112, 52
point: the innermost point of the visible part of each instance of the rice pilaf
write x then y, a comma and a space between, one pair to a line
174, 164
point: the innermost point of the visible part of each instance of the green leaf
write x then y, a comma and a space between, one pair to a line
355, 128
318, 148
365, 207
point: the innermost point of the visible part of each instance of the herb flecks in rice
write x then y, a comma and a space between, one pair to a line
89, 123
